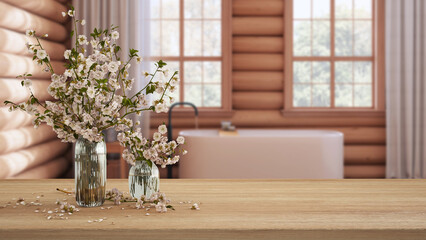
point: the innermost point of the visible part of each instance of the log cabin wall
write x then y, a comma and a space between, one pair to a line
26, 152
257, 94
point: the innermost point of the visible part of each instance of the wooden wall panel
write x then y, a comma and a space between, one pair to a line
257, 7
257, 44
12, 90
365, 171
271, 119
258, 26
21, 146
257, 62
14, 43
21, 138
50, 169
365, 154
16, 162
12, 120
257, 100
257, 81
20, 20
14, 65
49, 9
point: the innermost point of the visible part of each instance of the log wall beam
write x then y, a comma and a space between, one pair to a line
258, 26
257, 7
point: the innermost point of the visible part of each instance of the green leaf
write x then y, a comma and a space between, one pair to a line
33, 100
72, 33
149, 163
126, 102
150, 89
133, 52
171, 207
102, 81
161, 64
22, 83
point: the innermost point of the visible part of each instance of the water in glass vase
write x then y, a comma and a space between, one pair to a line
90, 172
143, 179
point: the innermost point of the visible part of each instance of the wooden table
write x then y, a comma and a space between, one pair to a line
230, 209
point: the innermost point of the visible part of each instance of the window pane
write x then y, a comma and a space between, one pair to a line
212, 95
169, 9
193, 38
301, 72
321, 9
343, 8
343, 38
155, 48
362, 72
212, 38
343, 95
363, 39
212, 9
170, 38
321, 95
302, 38
302, 95
302, 9
154, 9
212, 72
193, 93
362, 96
192, 9
321, 38
320, 72
343, 72
363, 9
193, 72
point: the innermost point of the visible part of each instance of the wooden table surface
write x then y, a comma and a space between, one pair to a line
230, 209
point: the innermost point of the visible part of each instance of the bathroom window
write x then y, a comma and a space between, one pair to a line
334, 55
191, 36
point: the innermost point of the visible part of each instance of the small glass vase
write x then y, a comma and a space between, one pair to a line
90, 172
144, 179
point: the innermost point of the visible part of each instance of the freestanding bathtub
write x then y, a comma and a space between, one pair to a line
305, 154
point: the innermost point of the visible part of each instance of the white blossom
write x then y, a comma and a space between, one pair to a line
180, 140
82, 40
113, 66
67, 54
115, 35
162, 129
91, 92
41, 54
29, 33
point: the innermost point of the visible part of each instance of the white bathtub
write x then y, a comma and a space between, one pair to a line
313, 154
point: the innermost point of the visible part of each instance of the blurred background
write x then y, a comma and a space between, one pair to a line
261, 64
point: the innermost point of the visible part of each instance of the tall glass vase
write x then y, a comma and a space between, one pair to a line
90, 172
144, 179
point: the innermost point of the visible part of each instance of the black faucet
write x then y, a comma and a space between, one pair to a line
169, 128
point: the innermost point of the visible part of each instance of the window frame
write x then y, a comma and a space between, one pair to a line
226, 66
378, 60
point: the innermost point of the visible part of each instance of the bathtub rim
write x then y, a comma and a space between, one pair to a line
325, 133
